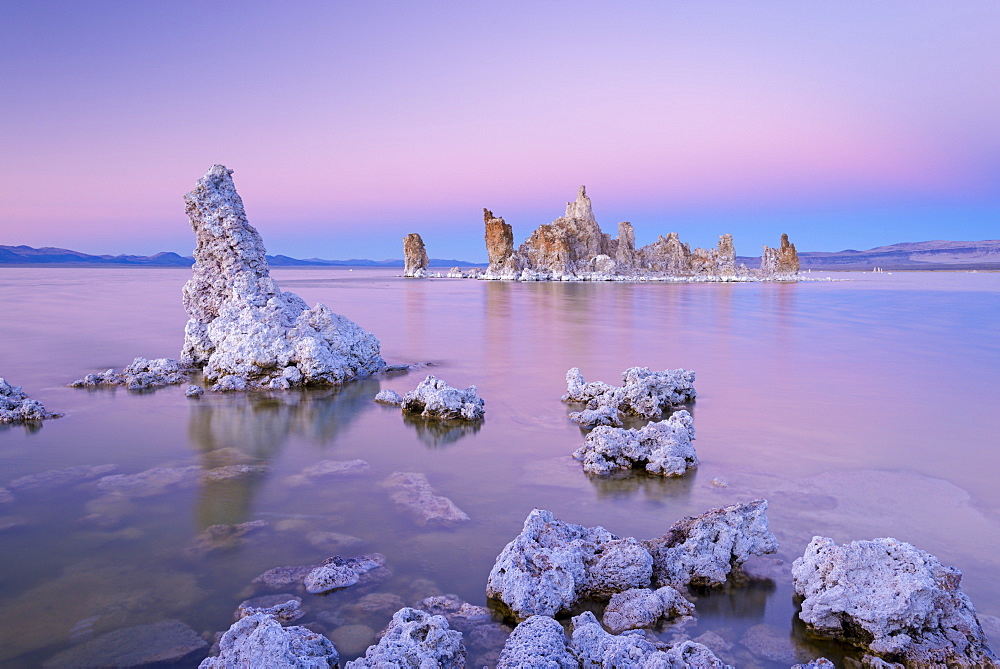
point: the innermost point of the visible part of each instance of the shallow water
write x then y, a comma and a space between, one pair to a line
858, 408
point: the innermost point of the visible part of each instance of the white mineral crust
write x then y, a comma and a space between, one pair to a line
434, 398
642, 607
415, 639
891, 598
662, 448
259, 640
17, 407
594, 647
645, 393
243, 329
141, 374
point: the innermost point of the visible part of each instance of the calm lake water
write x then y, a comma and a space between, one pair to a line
859, 409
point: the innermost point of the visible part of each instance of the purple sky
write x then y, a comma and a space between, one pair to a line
846, 124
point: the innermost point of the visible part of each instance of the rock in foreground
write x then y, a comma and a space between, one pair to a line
662, 448
434, 398
17, 407
243, 330
892, 599
259, 640
142, 374
337, 572
415, 639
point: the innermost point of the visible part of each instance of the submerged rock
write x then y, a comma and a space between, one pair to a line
164, 642
412, 492
337, 572
892, 599
222, 537
281, 578
415, 260
17, 407
147, 483
243, 330
415, 639
142, 374
260, 640
56, 478
644, 393
704, 549
662, 448
642, 607
434, 398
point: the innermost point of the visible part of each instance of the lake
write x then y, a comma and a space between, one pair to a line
859, 408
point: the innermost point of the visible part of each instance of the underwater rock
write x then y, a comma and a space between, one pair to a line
433, 398
142, 374
604, 415
222, 537
333, 541
460, 615
147, 483
662, 448
56, 478
337, 572
642, 607
415, 260
260, 640
539, 641
231, 472
17, 407
892, 599
280, 578
283, 608
326, 469
704, 549
390, 397
243, 330
415, 639
644, 393
168, 641
552, 564
412, 492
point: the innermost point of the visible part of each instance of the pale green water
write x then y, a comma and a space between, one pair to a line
858, 409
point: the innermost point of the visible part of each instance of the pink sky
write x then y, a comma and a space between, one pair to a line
848, 124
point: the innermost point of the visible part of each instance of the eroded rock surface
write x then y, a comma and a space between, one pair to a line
642, 607
539, 641
603, 415
243, 330
415, 260
414, 494
17, 407
782, 262
142, 374
594, 647
503, 263
704, 549
894, 600
434, 398
259, 640
415, 639
644, 393
338, 572
57, 478
662, 448
390, 397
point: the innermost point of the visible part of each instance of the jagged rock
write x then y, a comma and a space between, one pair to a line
194, 391
780, 262
338, 572
390, 397
818, 663
280, 578
147, 483
704, 549
503, 263
222, 537
642, 607
594, 647
625, 255
17, 407
412, 492
460, 615
283, 608
56, 478
645, 393
433, 398
539, 641
415, 639
165, 642
662, 448
603, 415
259, 640
892, 599
243, 330
142, 374
415, 260
552, 564
567, 246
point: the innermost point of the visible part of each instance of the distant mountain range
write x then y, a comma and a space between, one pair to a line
908, 255
26, 255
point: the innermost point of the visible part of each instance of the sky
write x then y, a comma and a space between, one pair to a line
847, 124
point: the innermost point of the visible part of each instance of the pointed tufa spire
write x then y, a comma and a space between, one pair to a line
581, 207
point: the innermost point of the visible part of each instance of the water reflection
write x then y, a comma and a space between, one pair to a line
436, 433
627, 483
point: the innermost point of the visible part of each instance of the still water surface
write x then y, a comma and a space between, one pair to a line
858, 408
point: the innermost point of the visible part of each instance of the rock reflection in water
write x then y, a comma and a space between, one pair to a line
435, 433
627, 483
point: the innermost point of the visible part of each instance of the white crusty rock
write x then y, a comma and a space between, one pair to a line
704, 549
594, 647
243, 330
140, 375
412, 492
259, 640
283, 608
539, 641
641, 607
415, 260
645, 393
604, 415
552, 564
415, 639
17, 407
662, 448
194, 391
894, 600
337, 572
433, 398
390, 397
